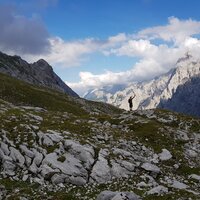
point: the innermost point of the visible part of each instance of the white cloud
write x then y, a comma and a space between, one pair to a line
69, 54
177, 30
66, 54
135, 48
90, 81
155, 59
73, 53
121, 37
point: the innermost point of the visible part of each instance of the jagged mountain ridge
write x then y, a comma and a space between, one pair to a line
38, 73
149, 94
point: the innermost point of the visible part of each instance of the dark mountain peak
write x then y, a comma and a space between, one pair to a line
43, 65
42, 62
17, 57
38, 73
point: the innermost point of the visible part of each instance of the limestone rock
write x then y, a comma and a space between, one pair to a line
71, 165
150, 167
121, 168
109, 195
101, 170
58, 178
158, 190
195, 176
27, 152
165, 155
82, 152
4, 148
78, 180
178, 185
17, 156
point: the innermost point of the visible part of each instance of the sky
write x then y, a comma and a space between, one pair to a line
95, 43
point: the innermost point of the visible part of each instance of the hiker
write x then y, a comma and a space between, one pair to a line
130, 101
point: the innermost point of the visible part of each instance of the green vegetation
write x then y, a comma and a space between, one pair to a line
61, 158
21, 93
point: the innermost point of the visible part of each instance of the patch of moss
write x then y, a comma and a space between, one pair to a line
51, 149
187, 170
61, 158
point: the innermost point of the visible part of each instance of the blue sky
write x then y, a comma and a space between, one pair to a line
93, 43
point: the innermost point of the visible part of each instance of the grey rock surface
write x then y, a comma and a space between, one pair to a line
165, 155
109, 195
159, 190
150, 167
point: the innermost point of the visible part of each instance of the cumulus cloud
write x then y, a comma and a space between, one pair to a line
176, 30
155, 58
22, 35
73, 53
135, 48
117, 39
69, 54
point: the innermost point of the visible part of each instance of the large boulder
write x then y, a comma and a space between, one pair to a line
151, 168
101, 170
165, 155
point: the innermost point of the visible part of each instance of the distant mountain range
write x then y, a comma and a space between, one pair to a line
39, 73
176, 90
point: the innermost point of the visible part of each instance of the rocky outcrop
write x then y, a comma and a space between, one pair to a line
38, 73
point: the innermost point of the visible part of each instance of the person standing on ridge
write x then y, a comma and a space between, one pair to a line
130, 101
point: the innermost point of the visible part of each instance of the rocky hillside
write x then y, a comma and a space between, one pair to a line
150, 94
38, 73
70, 148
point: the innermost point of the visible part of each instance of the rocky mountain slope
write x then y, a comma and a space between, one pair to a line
186, 99
39, 73
59, 147
150, 94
